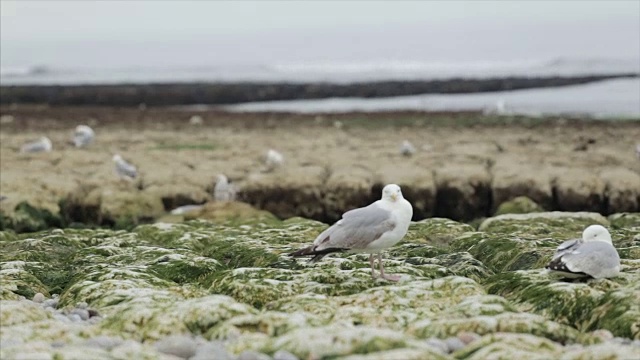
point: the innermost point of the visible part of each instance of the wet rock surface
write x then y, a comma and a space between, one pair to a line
227, 290
465, 165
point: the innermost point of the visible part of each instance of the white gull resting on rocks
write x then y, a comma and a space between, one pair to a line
224, 191
124, 170
83, 136
591, 256
273, 159
369, 229
41, 145
407, 148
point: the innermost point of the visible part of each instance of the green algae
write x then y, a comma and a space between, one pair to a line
518, 205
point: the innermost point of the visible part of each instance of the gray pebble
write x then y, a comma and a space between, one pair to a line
82, 305
468, 337
284, 355
253, 355
104, 342
38, 298
438, 345
454, 344
183, 346
53, 303
61, 317
57, 344
84, 314
74, 317
50, 310
212, 350
636, 342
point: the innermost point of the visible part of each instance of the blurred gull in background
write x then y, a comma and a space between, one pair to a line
124, 170
224, 191
41, 145
273, 159
83, 136
407, 148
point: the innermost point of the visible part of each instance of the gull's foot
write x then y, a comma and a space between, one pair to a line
391, 277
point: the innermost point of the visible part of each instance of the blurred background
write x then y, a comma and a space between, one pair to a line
142, 42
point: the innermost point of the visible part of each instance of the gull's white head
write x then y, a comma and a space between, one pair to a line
222, 179
391, 193
117, 158
596, 233
84, 129
47, 143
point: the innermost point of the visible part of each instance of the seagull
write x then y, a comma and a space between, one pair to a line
41, 145
370, 229
83, 136
407, 148
593, 255
273, 159
124, 170
224, 191
181, 210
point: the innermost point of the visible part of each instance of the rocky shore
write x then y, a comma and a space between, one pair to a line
233, 93
226, 290
466, 165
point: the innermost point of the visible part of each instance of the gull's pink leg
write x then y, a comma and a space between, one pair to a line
373, 268
382, 274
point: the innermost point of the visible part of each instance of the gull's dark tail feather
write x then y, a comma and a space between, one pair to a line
319, 254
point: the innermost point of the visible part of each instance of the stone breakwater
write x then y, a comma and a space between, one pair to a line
233, 93
465, 165
227, 290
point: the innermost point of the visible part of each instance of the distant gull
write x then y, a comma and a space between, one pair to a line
41, 145
185, 209
224, 191
500, 108
591, 256
196, 120
124, 170
273, 159
83, 136
3, 198
369, 229
407, 148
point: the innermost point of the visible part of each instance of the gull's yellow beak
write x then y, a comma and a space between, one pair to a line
394, 197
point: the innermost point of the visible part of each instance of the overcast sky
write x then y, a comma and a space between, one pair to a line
51, 30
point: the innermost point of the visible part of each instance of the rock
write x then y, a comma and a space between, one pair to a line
510, 346
468, 337
454, 344
577, 220
104, 342
463, 192
518, 205
212, 350
511, 180
38, 298
284, 355
579, 190
82, 313
182, 346
622, 189
253, 355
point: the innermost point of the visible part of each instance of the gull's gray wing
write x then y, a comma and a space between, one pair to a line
567, 246
357, 229
125, 169
37, 146
597, 259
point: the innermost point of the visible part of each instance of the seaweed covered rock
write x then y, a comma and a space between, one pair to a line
227, 287
518, 205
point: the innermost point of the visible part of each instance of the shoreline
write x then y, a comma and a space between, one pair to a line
211, 93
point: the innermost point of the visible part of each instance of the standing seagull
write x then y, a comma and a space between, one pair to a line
41, 145
591, 256
369, 229
124, 170
224, 191
83, 136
